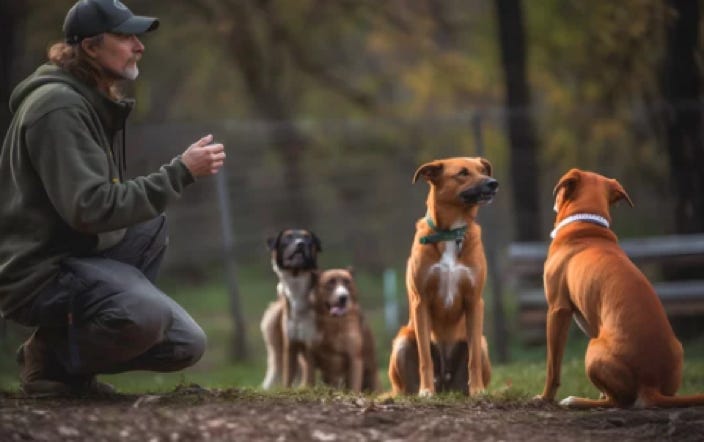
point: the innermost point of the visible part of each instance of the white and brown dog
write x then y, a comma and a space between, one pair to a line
344, 352
288, 324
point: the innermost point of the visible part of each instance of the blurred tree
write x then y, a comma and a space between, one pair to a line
265, 44
683, 113
524, 167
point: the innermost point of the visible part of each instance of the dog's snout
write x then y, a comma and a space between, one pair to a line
492, 184
342, 300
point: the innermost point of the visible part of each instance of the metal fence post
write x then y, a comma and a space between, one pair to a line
239, 340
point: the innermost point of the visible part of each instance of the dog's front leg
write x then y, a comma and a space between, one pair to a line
290, 362
474, 325
355, 372
558, 325
421, 321
308, 370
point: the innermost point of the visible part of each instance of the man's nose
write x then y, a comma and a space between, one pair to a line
138, 46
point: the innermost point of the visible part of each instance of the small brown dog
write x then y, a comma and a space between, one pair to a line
288, 324
633, 356
344, 352
442, 347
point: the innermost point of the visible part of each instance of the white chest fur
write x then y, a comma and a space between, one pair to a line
450, 273
300, 321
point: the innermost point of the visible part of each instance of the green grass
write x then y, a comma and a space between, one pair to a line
520, 379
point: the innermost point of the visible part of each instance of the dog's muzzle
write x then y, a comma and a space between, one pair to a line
339, 308
299, 255
483, 193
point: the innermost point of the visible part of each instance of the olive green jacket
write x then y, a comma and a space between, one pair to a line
60, 188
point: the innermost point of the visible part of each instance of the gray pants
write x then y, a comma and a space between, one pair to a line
120, 320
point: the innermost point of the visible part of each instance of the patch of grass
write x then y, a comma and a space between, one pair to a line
518, 380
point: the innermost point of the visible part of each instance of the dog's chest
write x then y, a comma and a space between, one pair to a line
448, 276
300, 318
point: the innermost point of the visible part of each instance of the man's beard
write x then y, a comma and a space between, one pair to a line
130, 72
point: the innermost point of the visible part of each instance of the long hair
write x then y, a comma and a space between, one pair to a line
73, 59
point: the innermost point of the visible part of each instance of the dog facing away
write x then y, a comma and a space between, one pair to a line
442, 346
633, 356
344, 353
288, 324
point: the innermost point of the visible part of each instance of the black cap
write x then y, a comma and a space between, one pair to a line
92, 17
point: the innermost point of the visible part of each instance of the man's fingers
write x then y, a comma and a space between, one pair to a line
205, 140
214, 148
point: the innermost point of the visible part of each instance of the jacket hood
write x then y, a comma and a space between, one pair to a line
112, 113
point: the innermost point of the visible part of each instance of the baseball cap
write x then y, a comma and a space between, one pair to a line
87, 18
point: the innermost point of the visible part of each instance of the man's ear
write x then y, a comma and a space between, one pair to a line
429, 171
488, 169
89, 46
618, 193
566, 186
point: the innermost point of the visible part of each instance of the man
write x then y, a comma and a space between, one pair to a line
80, 244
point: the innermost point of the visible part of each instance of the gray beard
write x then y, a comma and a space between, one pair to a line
130, 73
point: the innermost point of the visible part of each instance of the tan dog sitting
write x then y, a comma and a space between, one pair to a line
344, 351
633, 356
442, 347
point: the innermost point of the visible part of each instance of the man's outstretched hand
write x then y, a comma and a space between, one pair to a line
202, 158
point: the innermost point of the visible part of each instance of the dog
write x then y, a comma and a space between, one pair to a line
442, 346
288, 324
344, 353
633, 356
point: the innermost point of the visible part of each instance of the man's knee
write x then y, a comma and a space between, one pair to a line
194, 347
141, 321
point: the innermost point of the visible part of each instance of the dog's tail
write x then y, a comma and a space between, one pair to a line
653, 398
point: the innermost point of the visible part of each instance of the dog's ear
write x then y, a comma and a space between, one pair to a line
350, 269
488, 169
429, 171
316, 241
618, 193
315, 277
565, 187
272, 243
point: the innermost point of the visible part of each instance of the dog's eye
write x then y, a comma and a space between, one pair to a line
464, 172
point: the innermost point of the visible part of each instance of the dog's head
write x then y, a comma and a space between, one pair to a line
295, 249
579, 191
336, 291
460, 181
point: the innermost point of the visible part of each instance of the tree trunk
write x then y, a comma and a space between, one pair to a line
683, 117
524, 169
262, 61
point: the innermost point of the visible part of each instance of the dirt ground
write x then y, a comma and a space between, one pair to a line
194, 414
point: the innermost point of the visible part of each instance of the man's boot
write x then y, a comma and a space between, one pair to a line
41, 375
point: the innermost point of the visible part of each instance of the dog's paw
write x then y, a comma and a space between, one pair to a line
425, 392
477, 391
568, 401
540, 400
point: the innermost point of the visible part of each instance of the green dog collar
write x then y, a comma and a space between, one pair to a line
442, 235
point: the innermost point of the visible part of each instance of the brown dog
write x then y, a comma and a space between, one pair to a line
442, 347
344, 352
288, 324
633, 357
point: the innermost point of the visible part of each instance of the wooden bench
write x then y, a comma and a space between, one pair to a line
683, 298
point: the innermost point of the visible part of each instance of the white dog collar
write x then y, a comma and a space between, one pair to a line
584, 217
